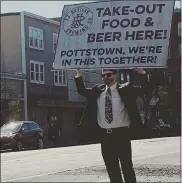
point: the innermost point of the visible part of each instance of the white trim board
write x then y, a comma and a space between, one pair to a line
23, 61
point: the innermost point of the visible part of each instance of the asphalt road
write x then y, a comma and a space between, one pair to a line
155, 160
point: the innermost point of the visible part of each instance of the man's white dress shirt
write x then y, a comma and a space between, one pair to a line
120, 113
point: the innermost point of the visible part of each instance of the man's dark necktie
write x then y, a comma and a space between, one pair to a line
108, 106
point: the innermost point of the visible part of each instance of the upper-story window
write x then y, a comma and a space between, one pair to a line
179, 29
37, 72
36, 38
54, 39
60, 77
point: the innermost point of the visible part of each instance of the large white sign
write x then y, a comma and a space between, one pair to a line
114, 34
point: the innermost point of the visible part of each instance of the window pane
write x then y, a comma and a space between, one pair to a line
30, 32
60, 79
36, 38
64, 79
35, 33
55, 72
31, 41
36, 43
40, 43
32, 76
37, 76
41, 77
55, 78
41, 68
32, 67
39, 34
36, 67
60, 73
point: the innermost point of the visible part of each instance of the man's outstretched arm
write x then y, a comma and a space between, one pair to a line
80, 85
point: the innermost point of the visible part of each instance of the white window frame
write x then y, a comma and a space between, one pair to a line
179, 29
53, 41
34, 80
60, 83
34, 47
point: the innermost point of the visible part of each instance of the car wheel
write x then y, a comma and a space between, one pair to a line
18, 147
40, 143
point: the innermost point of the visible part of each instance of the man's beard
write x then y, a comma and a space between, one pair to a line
108, 81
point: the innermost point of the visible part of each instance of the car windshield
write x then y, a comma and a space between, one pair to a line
10, 127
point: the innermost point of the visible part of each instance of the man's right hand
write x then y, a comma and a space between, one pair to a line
78, 73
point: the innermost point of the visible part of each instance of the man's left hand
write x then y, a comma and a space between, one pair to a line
140, 70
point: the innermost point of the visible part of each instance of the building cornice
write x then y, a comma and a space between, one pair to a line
31, 15
10, 14
41, 18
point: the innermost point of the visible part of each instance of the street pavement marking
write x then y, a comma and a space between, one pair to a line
106, 180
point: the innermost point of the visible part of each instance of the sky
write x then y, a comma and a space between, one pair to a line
47, 9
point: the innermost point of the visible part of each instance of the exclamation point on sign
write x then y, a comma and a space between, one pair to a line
155, 59
165, 32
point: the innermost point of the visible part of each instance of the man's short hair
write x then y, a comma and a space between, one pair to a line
114, 71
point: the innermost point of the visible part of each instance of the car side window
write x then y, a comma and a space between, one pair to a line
31, 126
36, 125
24, 127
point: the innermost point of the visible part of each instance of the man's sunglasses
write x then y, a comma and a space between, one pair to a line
108, 75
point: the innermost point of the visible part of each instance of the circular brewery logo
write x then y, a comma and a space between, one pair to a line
77, 21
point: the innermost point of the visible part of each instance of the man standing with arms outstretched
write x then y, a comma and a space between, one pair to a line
112, 107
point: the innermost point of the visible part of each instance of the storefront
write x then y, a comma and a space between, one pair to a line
58, 119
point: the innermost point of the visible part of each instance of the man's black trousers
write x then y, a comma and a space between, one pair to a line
116, 147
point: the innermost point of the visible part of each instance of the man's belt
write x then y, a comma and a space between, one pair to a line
113, 130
